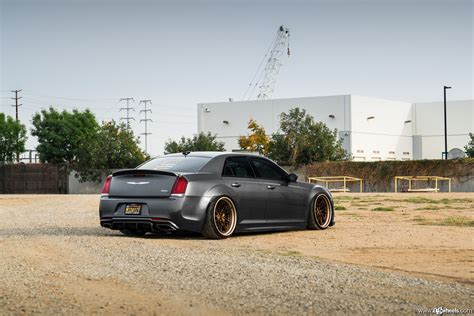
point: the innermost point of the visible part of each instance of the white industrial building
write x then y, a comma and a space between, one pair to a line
371, 129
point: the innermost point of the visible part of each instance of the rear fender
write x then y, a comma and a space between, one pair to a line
221, 189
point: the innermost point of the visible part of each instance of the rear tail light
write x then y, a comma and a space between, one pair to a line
180, 186
106, 187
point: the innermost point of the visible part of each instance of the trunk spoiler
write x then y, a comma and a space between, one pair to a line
142, 172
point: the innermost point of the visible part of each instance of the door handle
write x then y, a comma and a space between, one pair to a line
236, 185
270, 187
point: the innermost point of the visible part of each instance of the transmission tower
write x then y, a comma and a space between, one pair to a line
146, 120
265, 80
127, 108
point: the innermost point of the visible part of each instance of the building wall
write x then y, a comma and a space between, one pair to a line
397, 131
380, 129
211, 116
429, 126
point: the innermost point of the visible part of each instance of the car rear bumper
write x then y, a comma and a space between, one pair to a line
141, 224
157, 214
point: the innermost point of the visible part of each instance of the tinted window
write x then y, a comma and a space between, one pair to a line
237, 167
268, 170
176, 164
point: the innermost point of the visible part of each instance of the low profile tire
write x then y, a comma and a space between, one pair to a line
221, 218
132, 232
321, 212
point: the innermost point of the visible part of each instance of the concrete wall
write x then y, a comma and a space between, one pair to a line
76, 187
379, 129
211, 116
429, 126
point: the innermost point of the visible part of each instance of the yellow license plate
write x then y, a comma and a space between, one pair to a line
133, 209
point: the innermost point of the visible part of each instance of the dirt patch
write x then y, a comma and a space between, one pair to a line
56, 259
391, 235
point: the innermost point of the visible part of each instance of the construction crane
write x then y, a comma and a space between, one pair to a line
265, 79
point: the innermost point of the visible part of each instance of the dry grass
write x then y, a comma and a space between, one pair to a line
290, 253
457, 221
383, 209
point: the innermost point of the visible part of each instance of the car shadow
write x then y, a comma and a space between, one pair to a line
105, 232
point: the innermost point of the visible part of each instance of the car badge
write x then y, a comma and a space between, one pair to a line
138, 183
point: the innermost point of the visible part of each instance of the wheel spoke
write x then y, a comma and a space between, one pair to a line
224, 216
322, 211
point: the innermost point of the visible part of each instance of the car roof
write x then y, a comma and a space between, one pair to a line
210, 154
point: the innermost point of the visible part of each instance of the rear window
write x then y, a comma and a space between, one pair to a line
176, 164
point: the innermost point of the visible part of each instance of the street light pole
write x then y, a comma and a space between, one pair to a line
445, 126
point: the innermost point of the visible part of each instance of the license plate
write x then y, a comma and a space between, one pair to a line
133, 209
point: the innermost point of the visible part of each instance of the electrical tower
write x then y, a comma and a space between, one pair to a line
16, 105
146, 120
127, 108
265, 80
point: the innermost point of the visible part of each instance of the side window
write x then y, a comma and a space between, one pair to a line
237, 167
266, 169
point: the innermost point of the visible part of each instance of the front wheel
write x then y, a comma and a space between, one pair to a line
221, 218
321, 212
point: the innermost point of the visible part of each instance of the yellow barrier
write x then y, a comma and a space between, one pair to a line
414, 179
343, 179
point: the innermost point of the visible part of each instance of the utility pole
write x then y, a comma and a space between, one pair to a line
445, 126
146, 119
16, 98
127, 108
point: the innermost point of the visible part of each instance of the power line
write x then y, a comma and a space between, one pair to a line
146, 119
127, 108
38, 94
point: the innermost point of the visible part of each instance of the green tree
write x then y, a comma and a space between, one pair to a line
200, 142
77, 140
303, 141
113, 147
12, 138
470, 146
62, 136
279, 150
257, 141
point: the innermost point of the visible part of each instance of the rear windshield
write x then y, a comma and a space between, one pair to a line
176, 164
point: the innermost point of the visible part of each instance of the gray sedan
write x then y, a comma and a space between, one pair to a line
213, 193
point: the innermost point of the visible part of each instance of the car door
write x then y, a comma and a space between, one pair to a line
250, 196
285, 200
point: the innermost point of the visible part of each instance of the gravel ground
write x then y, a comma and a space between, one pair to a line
57, 260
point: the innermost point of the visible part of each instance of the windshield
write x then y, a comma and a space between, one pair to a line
176, 164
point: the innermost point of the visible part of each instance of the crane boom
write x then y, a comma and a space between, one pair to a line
267, 78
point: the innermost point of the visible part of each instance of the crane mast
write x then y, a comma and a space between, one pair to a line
267, 78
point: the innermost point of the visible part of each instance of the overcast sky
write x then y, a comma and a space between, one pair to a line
180, 53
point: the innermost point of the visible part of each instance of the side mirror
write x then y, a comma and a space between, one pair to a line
292, 177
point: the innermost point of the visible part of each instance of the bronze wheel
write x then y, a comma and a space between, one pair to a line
225, 216
322, 211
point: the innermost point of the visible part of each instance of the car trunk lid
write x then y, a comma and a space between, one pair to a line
142, 183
